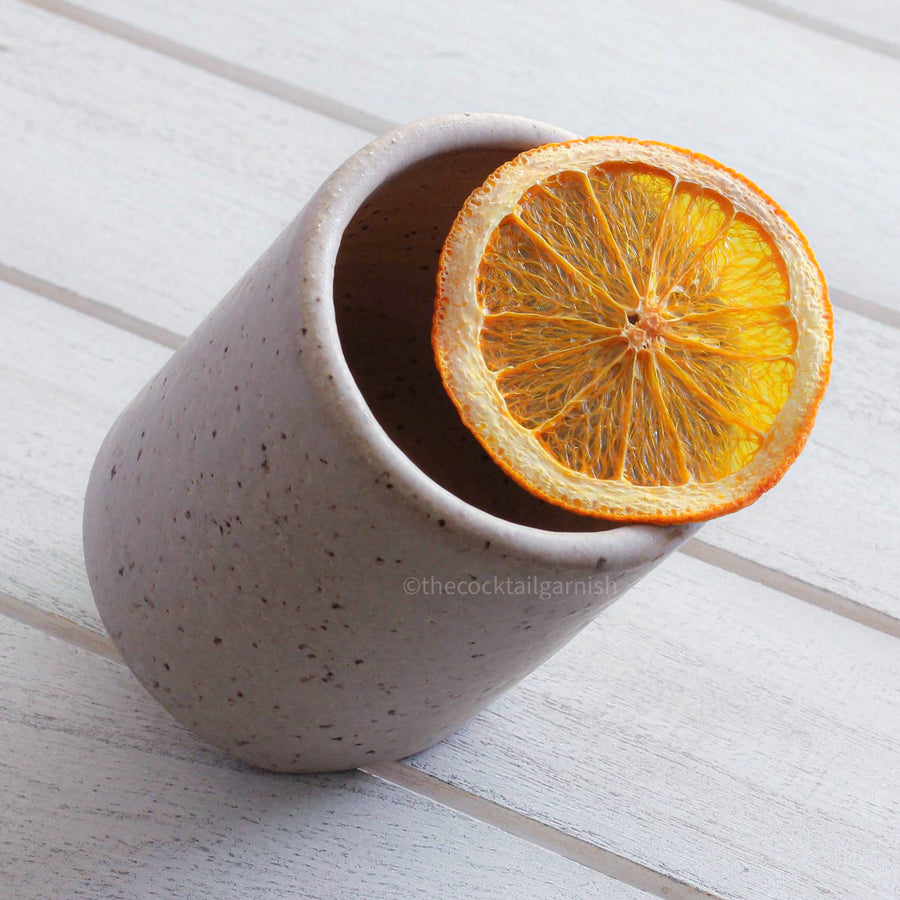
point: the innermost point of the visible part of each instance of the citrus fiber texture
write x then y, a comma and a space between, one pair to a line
632, 330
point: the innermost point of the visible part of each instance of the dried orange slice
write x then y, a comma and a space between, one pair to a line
632, 330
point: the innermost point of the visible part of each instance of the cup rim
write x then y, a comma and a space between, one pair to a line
325, 218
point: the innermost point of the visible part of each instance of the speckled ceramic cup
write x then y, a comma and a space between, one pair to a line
293, 541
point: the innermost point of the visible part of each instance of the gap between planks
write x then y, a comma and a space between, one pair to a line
58, 626
575, 849
793, 587
696, 548
94, 308
822, 26
606, 862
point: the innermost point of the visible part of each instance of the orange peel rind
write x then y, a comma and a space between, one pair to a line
632, 330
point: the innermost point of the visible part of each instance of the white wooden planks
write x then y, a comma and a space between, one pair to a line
88, 202
106, 796
749, 748
833, 521
714, 730
138, 181
807, 116
678, 721
65, 378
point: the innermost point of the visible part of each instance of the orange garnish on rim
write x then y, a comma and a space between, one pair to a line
632, 330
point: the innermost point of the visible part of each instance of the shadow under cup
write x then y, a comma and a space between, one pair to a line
384, 288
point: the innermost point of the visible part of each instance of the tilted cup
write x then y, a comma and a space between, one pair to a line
292, 539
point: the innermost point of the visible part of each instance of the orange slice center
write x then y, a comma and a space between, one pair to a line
637, 325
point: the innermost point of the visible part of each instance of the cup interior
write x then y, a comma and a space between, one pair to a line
384, 286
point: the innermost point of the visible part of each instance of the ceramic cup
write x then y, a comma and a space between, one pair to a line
291, 538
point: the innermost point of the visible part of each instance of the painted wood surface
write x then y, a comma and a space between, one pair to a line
211, 161
711, 729
140, 182
65, 378
714, 730
808, 117
677, 691
872, 23
833, 521
106, 796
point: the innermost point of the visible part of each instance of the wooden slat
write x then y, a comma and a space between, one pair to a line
711, 729
809, 117
106, 796
874, 24
52, 426
833, 520
140, 182
698, 718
